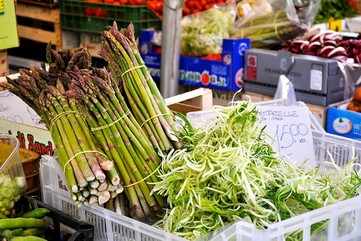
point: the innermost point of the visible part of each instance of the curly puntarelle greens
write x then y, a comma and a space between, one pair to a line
228, 173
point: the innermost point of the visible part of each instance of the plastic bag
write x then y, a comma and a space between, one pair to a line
285, 90
271, 22
203, 33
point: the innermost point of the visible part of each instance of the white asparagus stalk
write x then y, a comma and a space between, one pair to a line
94, 192
85, 193
103, 187
103, 197
94, 184
93, 200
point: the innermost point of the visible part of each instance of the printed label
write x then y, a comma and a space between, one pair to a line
342, 125
251, 70
316, 80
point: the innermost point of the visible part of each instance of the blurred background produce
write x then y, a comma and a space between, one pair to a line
270, 23
203, 33
328, 45
336, 9
12, 179
190, 6
355, 104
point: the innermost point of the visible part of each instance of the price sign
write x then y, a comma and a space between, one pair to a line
289, 131
8, 32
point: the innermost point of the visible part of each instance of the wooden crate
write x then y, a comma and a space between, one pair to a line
39, 14
195, 100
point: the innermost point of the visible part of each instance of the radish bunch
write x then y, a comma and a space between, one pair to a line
328, 45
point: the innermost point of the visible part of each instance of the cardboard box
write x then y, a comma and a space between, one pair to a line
316, 80
224, 74
342, 122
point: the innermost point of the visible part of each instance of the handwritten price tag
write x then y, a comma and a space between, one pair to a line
289, 129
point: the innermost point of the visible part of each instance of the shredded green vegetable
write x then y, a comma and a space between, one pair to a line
203, 33
228, 173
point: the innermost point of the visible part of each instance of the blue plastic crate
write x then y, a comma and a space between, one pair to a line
343, 122
226, 74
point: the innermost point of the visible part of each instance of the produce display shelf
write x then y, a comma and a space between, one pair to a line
95, 17
343, 218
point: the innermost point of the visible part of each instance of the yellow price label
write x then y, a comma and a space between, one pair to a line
335, 25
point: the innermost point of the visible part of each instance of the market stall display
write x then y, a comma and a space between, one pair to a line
137, 170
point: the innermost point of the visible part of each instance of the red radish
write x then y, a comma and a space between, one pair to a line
326, 50
337, 51
330, 42
304, 45
313, 48
315, 37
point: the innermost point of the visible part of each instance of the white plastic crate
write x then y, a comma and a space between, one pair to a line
343, 218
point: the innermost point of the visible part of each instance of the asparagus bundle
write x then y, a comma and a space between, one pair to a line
86, 168
120, 136
120, 50
275, 27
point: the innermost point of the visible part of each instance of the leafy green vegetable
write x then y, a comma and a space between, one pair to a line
228, 172
203, 33
337, 9
10, 192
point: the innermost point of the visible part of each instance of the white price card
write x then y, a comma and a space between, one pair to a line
12, 108
316, 80
289, 131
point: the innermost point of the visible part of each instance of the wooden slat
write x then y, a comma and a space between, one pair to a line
58, 36
36, 34
39, 13
201, 97
184, 108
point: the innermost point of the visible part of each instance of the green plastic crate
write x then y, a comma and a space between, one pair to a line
73, 16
